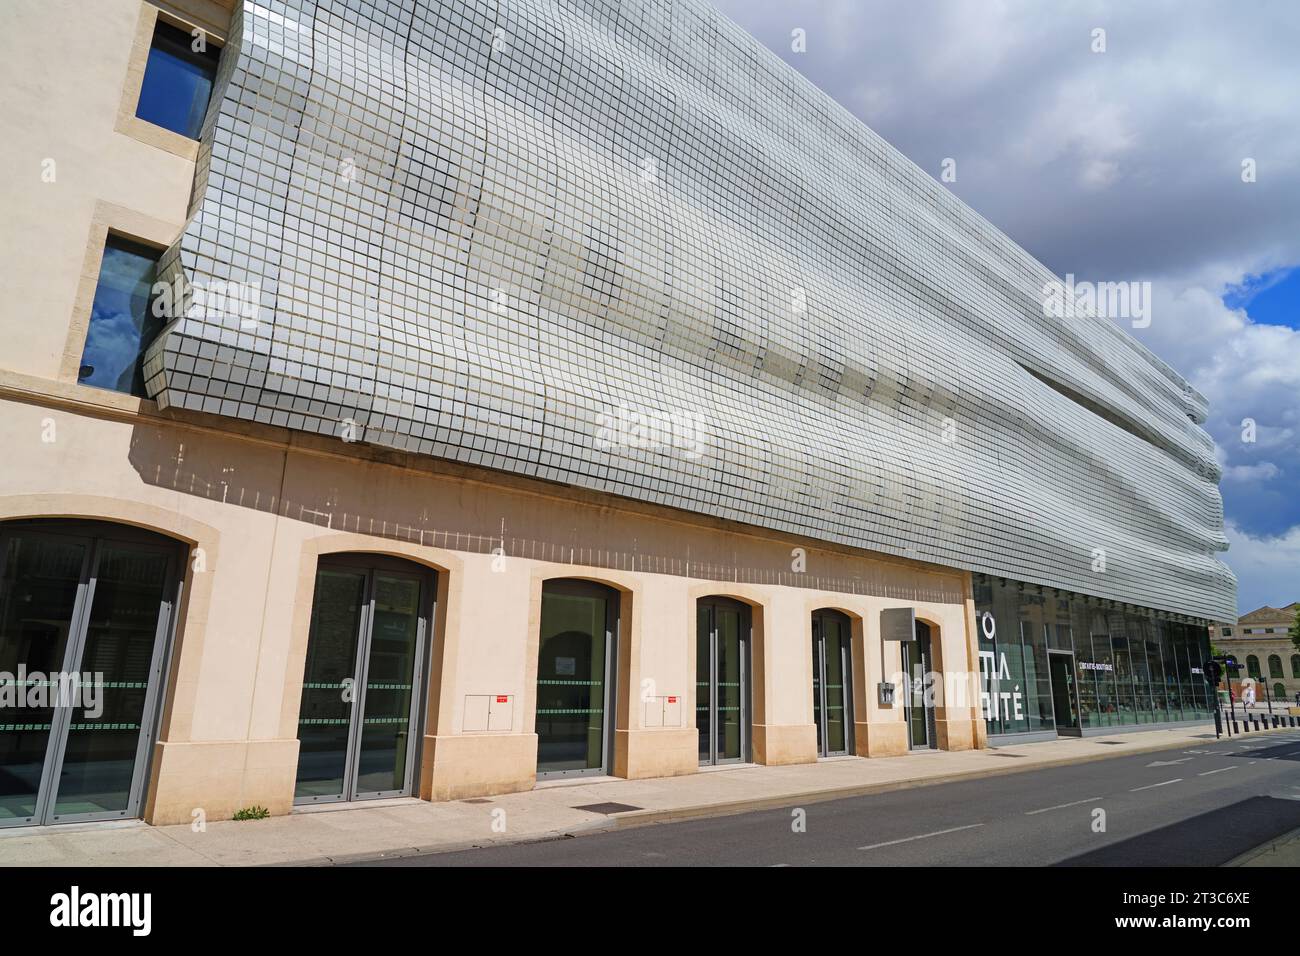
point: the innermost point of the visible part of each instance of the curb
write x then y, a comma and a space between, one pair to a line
1266, 848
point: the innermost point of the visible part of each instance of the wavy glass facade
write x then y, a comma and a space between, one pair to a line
485, 230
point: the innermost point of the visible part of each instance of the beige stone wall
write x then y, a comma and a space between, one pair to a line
263, 505
77, 163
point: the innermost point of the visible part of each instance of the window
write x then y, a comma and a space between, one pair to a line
1295, 665
122, 324
1252, 666
1226, 632
1279, 692
1275, 666
177, 81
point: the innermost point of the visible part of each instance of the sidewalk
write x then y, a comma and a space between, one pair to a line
1284, 851
403, 827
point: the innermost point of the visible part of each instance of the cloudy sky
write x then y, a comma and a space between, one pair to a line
1119, 165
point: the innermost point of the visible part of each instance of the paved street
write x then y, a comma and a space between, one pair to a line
1189, 805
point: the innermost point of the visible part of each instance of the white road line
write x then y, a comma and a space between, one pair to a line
1154, 785
923, 836
1062, 806
1220, 770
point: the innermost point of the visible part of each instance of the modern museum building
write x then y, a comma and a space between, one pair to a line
418, 398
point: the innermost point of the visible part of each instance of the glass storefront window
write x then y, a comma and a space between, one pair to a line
1173, 693
1125, 704
1085, 665
1131, 667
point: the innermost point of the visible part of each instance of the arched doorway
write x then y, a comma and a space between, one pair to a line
722, 679
576, 671
832, 660
86, 614
364, 680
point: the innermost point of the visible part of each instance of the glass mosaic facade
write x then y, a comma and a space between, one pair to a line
480, 230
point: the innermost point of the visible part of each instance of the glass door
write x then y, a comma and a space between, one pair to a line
388, 728
1064, 699
84, 621
918, 706
358, 721
722, 681
575, 678
832, 682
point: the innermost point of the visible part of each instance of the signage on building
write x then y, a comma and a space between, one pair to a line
886, 690
898, 624
997, 703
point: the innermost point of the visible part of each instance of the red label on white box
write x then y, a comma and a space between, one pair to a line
672, 700
503, 700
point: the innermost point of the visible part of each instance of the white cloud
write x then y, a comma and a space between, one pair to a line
1268, 568
1264, 470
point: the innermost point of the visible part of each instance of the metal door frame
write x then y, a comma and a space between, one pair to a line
94, 535
746, 649
369, 565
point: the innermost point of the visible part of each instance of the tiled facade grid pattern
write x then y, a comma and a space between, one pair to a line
479, 226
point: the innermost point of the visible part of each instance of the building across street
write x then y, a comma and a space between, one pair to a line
1261, 644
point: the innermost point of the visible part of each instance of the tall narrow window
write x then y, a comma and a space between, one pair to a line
121, 322
177, 81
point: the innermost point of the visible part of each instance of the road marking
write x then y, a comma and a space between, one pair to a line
1168, 763
1154, 785
1062, 806
923, 836
1220, 770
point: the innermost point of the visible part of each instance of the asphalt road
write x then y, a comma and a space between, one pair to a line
1197, 806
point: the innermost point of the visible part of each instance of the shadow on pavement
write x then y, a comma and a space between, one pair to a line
1210, 839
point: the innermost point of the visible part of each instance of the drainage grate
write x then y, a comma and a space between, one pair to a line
1111, 743
994, 753
477, 800
608, 807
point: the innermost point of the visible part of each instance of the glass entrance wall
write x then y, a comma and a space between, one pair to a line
832, 660
917, 666
363, 679
722, 680
575, 677
1132, 666
85, 617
